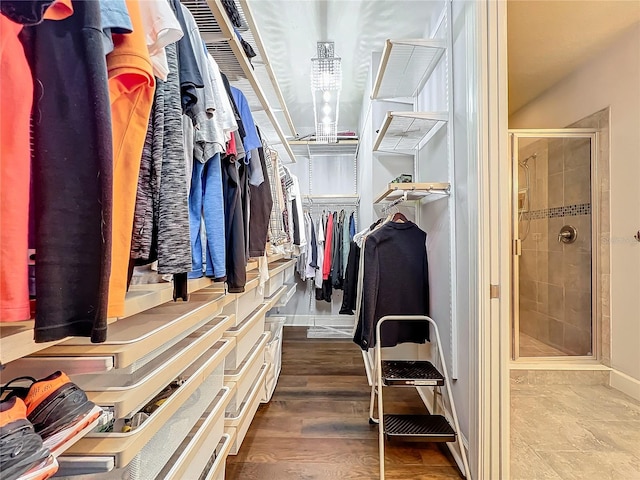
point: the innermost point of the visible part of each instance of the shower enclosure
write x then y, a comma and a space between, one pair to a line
554, 243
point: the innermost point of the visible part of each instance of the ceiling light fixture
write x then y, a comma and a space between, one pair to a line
326, 82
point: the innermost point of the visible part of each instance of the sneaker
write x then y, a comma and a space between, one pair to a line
21, 448
53, 403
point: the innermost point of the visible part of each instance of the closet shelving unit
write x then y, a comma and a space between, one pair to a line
397, 192
405, 66
214, 343
404, 70
254, 77
404, 131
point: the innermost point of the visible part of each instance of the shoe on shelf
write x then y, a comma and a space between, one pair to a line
21, 448
53, 403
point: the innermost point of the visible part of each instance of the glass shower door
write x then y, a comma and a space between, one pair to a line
553, 259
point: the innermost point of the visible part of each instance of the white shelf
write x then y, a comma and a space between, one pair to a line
413, 191
255, 78
403, 131
405, 67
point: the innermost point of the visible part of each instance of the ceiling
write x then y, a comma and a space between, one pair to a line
291, 28
547, 40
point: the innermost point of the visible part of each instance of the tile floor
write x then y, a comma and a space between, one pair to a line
574, 432
532, 347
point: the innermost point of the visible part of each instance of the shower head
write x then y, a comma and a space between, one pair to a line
525, 162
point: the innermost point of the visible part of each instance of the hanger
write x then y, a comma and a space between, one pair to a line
399, 217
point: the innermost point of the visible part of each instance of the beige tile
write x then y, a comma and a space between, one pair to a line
577, 153
519, 377
623, 436
542, 164
605, 294
542, 266
583, 242
526, 464
577, 340
605, 215
604, 176
528, 265
528, 290
604, 261
556, 190
577, 271
576, 465
602, 402
577, 186
555, 157
540, 196
543, 297
555, 224
556, 302
556, 332
556, 272
605, 339
578, 308
527, 322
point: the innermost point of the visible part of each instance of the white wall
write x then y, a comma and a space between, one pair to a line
611, 79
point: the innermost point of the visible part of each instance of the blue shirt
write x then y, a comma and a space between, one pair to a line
251, 140
114, 18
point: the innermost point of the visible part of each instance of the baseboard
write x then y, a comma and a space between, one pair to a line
427, 397
317, 320
626, 384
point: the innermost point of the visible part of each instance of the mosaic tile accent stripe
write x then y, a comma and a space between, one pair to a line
567, 211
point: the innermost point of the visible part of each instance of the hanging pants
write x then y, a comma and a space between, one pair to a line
233, 178
206, 203
261, 205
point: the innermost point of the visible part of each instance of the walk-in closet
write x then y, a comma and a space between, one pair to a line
252, 240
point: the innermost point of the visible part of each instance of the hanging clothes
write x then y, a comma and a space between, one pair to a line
352, 226
161, 221
131, 89
312, 261
350, 280
206, 203
73, 153
250, 138
277, 235
328, 248
336, 261
206, 208
190, 77
233, 178
15, 162
261, 207
115, 19
161, 28
395, 281
320, 253
344, 235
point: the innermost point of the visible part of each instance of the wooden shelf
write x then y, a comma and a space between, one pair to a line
414, 191
255, 78
403, 131
405, 66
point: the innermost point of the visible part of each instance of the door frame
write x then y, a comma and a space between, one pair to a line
490, 428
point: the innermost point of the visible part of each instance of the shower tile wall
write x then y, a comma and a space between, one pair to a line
555, 278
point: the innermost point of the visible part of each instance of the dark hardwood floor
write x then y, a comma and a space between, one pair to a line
316, 425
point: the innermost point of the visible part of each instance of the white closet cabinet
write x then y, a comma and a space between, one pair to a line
214, 344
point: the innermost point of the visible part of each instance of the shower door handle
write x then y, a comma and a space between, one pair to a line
517, 247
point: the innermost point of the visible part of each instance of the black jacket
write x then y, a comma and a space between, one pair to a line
395, 282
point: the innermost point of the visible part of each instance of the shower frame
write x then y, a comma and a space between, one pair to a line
514, 136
